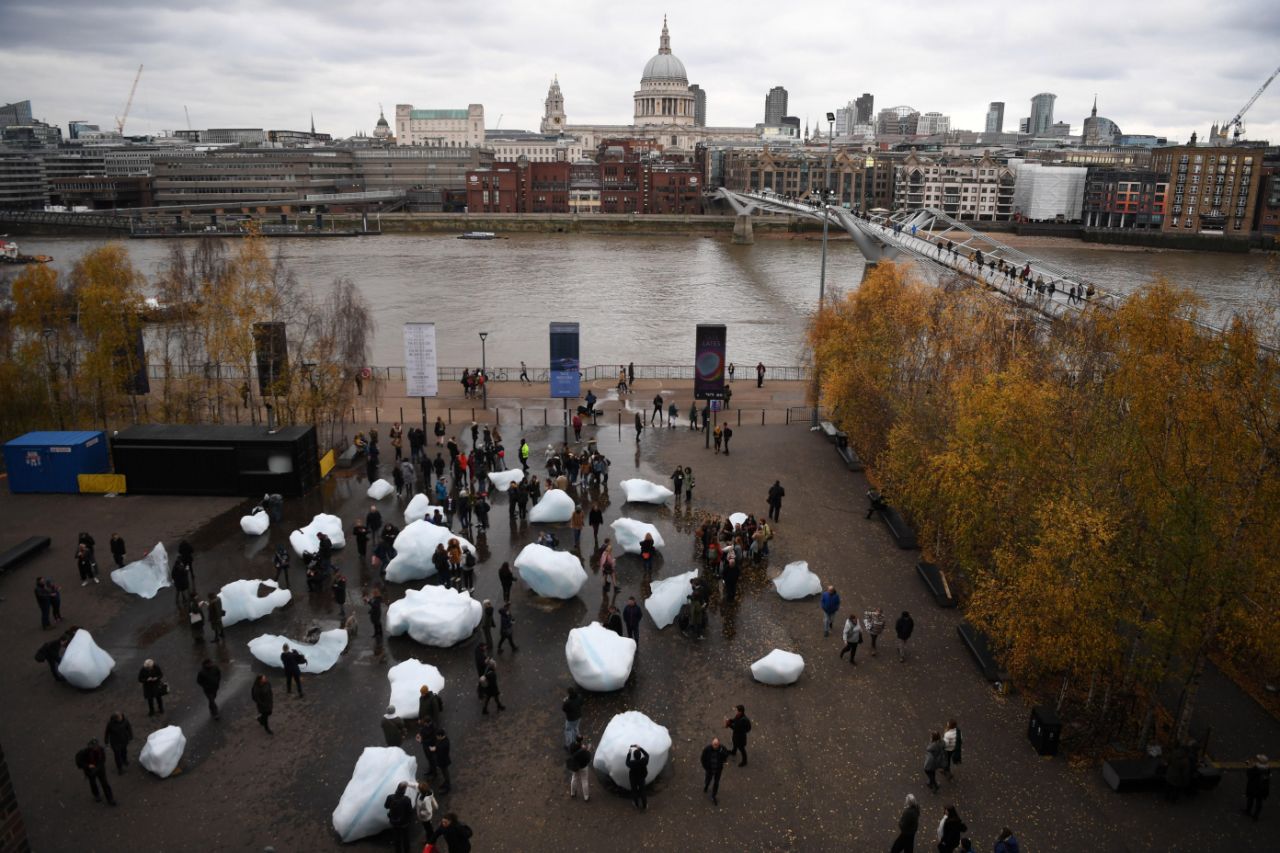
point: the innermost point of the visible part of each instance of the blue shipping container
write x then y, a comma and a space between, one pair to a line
53, 461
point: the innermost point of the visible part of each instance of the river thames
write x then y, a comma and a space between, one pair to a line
639, 298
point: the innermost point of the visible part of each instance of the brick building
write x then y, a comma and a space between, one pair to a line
799, 172
976, 190
1212, 190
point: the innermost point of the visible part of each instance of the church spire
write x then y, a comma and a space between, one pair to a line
313, 124
664, 43
1094, 114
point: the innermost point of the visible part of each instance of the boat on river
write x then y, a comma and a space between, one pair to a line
478, 235
9, 254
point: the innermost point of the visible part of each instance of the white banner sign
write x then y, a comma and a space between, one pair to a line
420, 360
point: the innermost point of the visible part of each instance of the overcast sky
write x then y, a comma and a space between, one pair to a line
1168, 67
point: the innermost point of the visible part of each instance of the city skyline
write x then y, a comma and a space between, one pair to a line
272, 65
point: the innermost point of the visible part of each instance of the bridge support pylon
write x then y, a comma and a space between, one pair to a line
742, 232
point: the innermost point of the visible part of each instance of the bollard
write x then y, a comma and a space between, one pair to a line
375, 415
762, 417
739, 417
450, 411
788, 421
402, 414
522, 417
544, 416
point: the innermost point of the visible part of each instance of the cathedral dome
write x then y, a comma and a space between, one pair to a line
665, 67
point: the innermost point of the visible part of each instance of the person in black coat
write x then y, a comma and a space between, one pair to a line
373, 520
339, 587
152, 681
51, 653
776, 493
281, 564
209, 678
262, 698
375, 612
93, 761
950, 831
117, 550
714, 757
443, 759
638, 775
1257, 786
631, 617
489, 684
903, 628
729, 575
481, 656
117, 736
506, 578
400, 814
457, 835
740, 725
292, 660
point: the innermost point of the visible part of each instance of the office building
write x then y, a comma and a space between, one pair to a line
1041, 119
18, 112
699, 105
23, 185
1132, 199
866, 108
798, 172
932, 123
775, 106
965, 189
898, 121
1099, 130
995, 117
440, 128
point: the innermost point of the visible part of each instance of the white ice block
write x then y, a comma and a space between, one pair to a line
417, 509
360, 812
407, 678
434, 616
599, 660
737, 519
629, 533
502, 480
240, 601
554, 574
380, 489
623, 730
796, 581
84, 664
645, 492
147, 576
255, 523
321, 656
556, 507
778, 667
667, 596
414, 546
163, 750
304, 540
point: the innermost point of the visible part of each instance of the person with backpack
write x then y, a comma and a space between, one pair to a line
209, 679
117, 736
776, 494
455, 833
292, 661
400, 814
578, 764
638, 775
740, 725
852, 636
950, 828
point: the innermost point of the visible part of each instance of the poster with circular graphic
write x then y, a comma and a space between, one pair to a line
709, 361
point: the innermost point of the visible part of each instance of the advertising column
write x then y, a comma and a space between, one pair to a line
566, 378
709, 367
420, 368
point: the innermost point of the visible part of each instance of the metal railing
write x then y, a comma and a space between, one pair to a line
744, 373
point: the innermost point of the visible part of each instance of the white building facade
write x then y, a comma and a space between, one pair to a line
440, 128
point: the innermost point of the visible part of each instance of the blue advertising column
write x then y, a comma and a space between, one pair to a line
566, 376
709, 366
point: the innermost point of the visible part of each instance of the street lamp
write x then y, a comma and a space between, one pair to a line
484, 374
822, 276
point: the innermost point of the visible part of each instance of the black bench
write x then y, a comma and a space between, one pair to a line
349, 456
830, 430
25, 549
980, 647
937, 583
899, 529
851, 460
1133, 774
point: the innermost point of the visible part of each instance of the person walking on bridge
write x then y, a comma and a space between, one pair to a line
657, 409
760, 374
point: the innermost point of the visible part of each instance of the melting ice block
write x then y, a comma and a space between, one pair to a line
417, 509
737, 519
555, 574
163, 751
555, 507
240, 601
645, 492
778, 667
629, 533
321, 656
84, 664
434, 616
599, 659
796, 581
380, 489
256, 522
407, 678
502, 480
667, 596
304, 540
414, 546
145, 577
360, 812
623, 730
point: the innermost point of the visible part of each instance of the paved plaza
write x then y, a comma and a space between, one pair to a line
831, 756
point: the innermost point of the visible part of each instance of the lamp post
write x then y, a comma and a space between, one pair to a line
822, 276
484, 373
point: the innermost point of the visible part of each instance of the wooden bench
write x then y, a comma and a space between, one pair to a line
27, 548
937, 583
980, 647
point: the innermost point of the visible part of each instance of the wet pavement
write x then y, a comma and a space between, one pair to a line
831, 757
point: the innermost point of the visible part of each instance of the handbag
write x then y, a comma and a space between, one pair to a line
164, 688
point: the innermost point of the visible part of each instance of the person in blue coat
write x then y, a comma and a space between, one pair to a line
830, 604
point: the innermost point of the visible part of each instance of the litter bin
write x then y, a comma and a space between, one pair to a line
1044, 730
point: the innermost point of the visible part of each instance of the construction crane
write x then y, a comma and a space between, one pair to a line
1238, 121
129, 103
